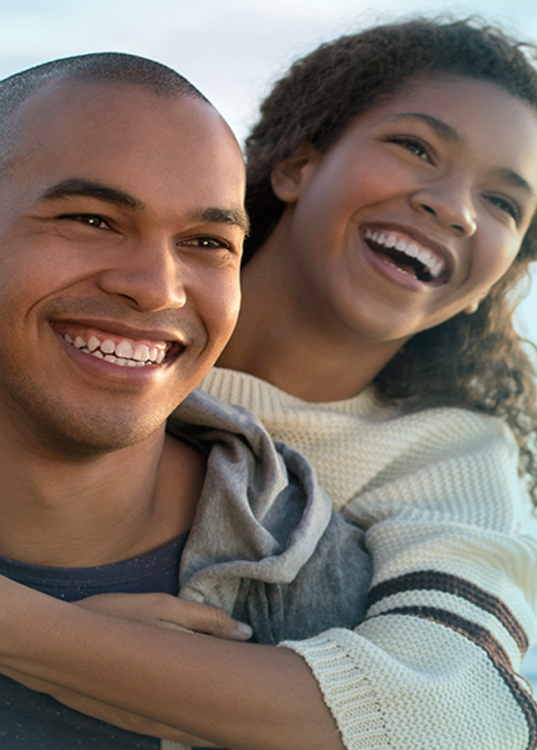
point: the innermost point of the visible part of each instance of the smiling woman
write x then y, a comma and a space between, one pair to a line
392, 193
374, 187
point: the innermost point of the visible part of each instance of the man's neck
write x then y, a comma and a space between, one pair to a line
80, 513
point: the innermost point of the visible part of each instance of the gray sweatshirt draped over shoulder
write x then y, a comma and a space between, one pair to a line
265, 544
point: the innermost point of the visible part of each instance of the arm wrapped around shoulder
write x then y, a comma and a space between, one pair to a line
452, 608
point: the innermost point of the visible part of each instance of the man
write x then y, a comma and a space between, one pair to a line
121, 225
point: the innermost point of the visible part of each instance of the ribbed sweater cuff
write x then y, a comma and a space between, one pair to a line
347, 692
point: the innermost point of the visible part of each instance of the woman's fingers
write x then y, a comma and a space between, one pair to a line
163, 610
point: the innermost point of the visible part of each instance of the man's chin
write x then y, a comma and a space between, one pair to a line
83, 435
89, 444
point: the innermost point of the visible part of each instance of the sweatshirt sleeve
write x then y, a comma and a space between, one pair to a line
451, 610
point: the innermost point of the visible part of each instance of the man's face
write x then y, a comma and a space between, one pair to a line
121, 226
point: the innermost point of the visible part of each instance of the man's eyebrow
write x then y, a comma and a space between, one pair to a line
441, 128
78, 187
236, 216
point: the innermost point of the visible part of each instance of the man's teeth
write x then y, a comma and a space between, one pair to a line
122, 353
389, 240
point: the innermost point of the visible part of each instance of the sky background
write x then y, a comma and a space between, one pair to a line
233, 50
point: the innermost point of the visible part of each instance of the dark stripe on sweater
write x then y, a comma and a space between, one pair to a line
431, 580
490, 645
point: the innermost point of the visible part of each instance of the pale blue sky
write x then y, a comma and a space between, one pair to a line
231, 49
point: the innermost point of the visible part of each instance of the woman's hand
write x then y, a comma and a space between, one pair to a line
158, 610
104, 712
165, 611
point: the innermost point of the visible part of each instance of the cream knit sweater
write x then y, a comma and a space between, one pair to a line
454, 594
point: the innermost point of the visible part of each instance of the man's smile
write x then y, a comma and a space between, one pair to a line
124, 353
117, 349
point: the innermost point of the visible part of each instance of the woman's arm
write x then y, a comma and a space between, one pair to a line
453, 601
105, 712
156, 609
238, 695
433, 665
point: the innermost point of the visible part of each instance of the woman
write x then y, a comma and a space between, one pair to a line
392, 202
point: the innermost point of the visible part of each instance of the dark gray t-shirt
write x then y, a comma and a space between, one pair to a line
34, 721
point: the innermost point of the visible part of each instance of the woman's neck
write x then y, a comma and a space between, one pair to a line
278, 341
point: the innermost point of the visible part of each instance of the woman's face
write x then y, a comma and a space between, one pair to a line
414, 213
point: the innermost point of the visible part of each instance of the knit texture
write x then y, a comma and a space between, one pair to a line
454, 594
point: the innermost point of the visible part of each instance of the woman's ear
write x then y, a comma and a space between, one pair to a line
289, 175
473, 307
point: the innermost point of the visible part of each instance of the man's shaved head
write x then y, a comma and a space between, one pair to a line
101, 67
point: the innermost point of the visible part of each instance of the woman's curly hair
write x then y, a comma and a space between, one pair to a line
471, 361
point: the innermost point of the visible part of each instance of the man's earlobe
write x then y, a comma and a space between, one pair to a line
289, 175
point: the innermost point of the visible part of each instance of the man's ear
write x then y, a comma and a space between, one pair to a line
289, 175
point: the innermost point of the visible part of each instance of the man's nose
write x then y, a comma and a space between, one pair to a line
149, 274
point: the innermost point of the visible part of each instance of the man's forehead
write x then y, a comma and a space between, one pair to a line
69, 120
70, 98
129, 147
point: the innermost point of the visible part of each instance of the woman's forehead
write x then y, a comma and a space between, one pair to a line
479, 114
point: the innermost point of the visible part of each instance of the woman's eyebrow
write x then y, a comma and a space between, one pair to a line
441, 128
449, 134
514, 179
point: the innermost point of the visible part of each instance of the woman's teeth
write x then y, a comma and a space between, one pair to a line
124, 353
391, 241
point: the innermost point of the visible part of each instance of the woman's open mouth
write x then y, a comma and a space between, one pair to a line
406, 254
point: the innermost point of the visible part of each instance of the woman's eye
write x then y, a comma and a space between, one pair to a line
509, 206
414, 145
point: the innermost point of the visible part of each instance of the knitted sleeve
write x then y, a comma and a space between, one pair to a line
452, 607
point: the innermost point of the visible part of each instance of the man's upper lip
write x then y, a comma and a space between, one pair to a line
124, 330
438, 248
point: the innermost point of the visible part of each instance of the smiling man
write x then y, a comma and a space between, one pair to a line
120, 242
121, 228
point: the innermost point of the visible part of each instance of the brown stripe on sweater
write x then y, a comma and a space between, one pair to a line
490, 645
433, 580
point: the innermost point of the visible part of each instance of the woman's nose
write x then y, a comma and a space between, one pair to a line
448, 204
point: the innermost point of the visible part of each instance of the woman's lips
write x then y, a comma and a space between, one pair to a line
412, 257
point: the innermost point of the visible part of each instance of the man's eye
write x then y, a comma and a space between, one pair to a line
510, 207
211, 243
91, 220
